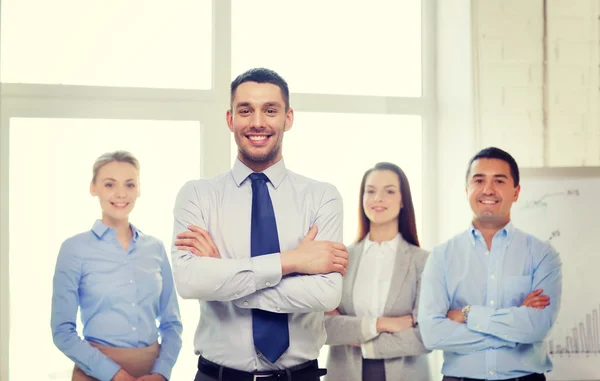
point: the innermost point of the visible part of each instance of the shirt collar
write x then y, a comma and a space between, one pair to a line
99, 229
276, 173
392, 244
505, 232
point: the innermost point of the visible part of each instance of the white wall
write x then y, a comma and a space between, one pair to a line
456, 132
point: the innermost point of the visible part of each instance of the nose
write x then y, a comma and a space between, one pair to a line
257, 120
121, 192
489, 188
378, 197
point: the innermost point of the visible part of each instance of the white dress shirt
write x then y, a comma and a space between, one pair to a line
372, 285
229, 287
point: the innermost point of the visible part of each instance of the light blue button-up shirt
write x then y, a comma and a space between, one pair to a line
121, 294
501, 339
231, 286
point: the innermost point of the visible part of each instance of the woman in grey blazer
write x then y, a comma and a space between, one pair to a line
373, 334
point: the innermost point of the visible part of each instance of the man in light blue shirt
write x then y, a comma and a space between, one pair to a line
260, 247
490, 295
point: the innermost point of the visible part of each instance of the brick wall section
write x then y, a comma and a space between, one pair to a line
573, 86
508, 38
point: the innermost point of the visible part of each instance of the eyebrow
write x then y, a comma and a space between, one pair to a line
387, 186
267, 104
111, 179
478, 175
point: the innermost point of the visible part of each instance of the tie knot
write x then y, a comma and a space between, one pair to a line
258, 177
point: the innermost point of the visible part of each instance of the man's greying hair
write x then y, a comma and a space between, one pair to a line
496, 153
109, 157
262, 75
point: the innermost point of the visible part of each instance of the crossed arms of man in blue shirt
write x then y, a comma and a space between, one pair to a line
442, 320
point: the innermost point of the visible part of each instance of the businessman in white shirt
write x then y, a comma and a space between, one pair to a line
260, 247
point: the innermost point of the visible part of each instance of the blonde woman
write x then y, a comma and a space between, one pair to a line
121, 281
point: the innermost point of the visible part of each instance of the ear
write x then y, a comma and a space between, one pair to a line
93, 189
517, 192
289, 119
229, 119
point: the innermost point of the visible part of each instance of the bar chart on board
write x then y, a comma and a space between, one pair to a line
560, 206
584, 337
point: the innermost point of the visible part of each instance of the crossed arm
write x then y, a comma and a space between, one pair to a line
488, 328
265, 282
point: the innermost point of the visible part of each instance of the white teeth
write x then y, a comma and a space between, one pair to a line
257, 138
119, 205
489, 202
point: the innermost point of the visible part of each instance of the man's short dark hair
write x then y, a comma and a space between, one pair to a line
496, 153
262, 75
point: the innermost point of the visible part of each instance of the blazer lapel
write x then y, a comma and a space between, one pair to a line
401, 266
354, 262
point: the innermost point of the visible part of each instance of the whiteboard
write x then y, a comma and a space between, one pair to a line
563, 205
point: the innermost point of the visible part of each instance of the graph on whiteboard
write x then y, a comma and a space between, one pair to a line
566, 212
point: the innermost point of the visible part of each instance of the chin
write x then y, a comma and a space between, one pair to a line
380, 220
124, 215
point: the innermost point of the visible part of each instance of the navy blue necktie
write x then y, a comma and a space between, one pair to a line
269, 330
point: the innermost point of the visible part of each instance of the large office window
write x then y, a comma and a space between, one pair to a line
79, 78
50, 171
332, 47
132, 43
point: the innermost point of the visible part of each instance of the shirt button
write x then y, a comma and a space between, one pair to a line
126, 262
477, 326
278, 309
487, 253
236, 296
133, 328
245, 303
491, 302
267, 284
491, 372
133, 304
131, 281
492, 277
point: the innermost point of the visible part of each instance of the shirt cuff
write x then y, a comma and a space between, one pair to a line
267, 270
162, 368
368, 349
369, 328
105, 370
479, 318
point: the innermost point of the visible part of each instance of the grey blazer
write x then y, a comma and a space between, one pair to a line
403, 352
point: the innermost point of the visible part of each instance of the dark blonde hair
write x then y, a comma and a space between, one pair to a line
109, 157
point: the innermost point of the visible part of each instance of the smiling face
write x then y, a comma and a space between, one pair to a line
382, 199
491, 192
117, 188
258, 119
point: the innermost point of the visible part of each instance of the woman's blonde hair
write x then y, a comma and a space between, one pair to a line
109, 157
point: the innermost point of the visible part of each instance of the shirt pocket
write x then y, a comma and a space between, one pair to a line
516, 288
